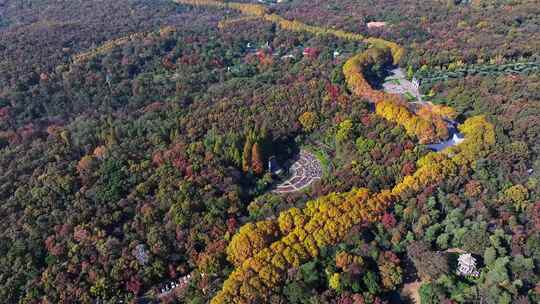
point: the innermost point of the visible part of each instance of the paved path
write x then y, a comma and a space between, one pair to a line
410, 290
305, 170
397, 83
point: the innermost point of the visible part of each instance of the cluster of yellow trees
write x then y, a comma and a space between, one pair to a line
427, 130
427, 124
440, 110
354, 68
434, 167
396, 50
107, 46
231, 22
323, 222
245, 8
250, 239
296, 26
263, 252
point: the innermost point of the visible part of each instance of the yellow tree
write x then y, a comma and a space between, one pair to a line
308, 120
250, 239
518, 195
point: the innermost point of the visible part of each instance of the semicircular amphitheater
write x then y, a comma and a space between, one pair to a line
305, 169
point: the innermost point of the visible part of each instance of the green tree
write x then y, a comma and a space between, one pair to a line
344, 130
490, 254
364, 145
337, 75
410, 72
112, 180
442, 240
371, 281
428, 294
335, 281
309, 273
475, 240
296, 293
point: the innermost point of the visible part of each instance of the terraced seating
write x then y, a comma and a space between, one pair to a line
305, 170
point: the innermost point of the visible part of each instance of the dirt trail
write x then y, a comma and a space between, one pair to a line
411, 290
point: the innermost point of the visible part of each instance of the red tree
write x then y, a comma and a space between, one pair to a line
389, 221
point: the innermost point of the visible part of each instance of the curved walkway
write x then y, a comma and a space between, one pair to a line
305, 170
397, 83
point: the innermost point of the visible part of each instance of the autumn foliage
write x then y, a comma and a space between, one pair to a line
256, 159
354, 68
296, 26
427, 124
348, 262
107, 46
415, 125
391, 272
252, 158
251, 238
328, 219
323, 222
263, 252
308, 120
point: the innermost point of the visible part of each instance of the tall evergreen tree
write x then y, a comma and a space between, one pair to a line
257, 159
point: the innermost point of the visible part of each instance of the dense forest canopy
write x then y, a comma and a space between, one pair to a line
135, 138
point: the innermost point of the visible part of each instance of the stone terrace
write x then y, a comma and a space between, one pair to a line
305, 170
